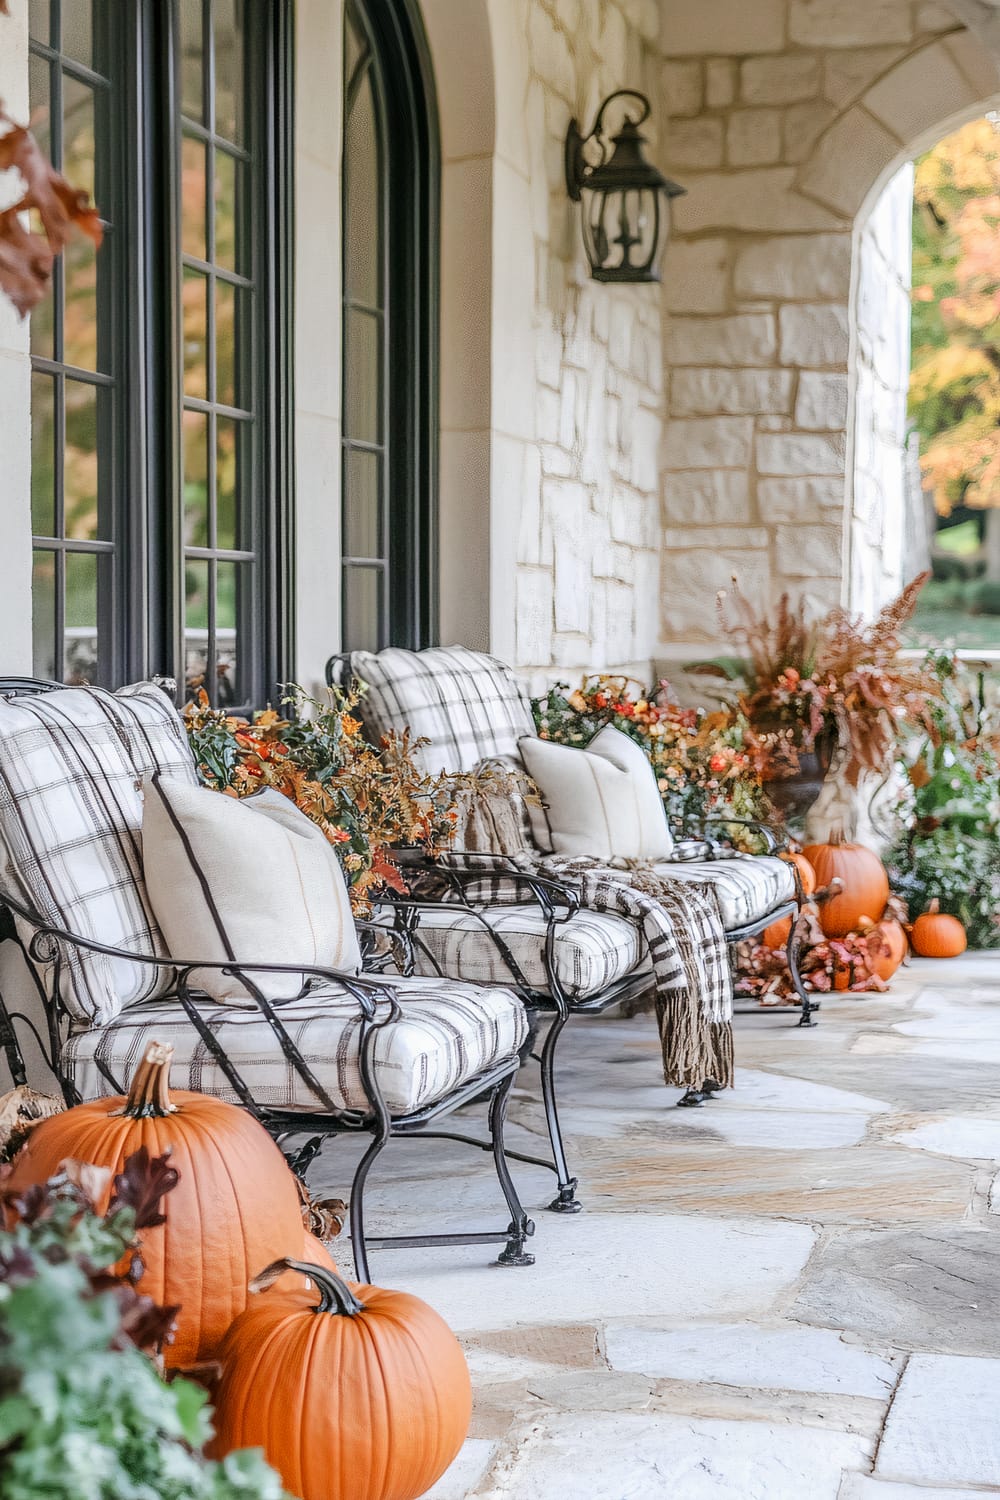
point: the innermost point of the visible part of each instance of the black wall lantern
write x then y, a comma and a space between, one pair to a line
626, 201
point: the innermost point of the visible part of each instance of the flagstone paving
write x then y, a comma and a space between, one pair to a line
789, 1294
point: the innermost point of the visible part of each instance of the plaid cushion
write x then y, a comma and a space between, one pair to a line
590, 952
468, 705
72, 764
747, 887
448, 1034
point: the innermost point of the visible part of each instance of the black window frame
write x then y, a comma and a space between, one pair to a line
411, 190
145, 633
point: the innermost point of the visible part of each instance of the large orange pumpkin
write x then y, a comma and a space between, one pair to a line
938, 935
234, 1209
354, 1393
865, 885
807, 875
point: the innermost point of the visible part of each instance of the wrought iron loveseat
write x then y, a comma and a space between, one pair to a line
561, 960
372, 1053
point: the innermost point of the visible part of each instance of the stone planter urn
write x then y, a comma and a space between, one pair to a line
795, 795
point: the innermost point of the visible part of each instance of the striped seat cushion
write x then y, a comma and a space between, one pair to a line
748, 886
466, 704
591, 951
448, 1033
72, 764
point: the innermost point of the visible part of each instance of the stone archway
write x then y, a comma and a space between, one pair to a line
762, 287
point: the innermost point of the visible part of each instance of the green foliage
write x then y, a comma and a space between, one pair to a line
84, 1415
950, 848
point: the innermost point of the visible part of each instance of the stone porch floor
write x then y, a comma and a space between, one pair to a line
792, 1293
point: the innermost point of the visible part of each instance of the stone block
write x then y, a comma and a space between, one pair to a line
846, 74
727, 537
689, 30
533, 616
849, 23
646, 433
708, 443
798, 500
744, 339
794, 266
942, 1426
696, 276
821, 401
802, 126
814, 334
707, 497
920, 92
762, 199
716, 392
550, 54
848, 158
786, 1358
795, 453
753, 137
681, 84
720, 82
547, 412
809, 551
979, 64
934, 17
692, 581
780, 80
694, 143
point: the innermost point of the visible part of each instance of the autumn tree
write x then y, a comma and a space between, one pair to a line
955, 381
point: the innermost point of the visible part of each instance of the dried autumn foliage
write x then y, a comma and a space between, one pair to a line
27, 256
839, 675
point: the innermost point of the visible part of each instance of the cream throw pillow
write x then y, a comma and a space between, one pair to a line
601, 801
251, 880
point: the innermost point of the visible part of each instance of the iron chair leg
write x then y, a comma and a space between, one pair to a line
379, 1142
792, 957
514, 1254
566, 1202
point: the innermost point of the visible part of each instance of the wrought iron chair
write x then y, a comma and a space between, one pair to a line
471, 709
325, 1055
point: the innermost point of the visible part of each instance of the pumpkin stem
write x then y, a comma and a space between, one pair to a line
335, 1296
150, 1092
934, 907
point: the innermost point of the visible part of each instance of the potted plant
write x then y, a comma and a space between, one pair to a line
811, 690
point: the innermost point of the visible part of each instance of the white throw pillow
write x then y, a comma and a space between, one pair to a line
253, 880
602, 801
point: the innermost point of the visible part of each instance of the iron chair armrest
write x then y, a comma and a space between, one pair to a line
459, 867
367, 992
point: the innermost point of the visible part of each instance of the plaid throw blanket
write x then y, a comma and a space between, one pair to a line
686, 941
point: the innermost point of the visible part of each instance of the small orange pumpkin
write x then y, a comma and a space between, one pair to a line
935, 934
894, 938
382, 1392
234, 1208
865, 885
777, 935
807, 875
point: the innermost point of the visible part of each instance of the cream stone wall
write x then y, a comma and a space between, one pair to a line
577, 368
878, 521
784, 120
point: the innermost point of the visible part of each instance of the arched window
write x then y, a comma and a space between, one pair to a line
390, 292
